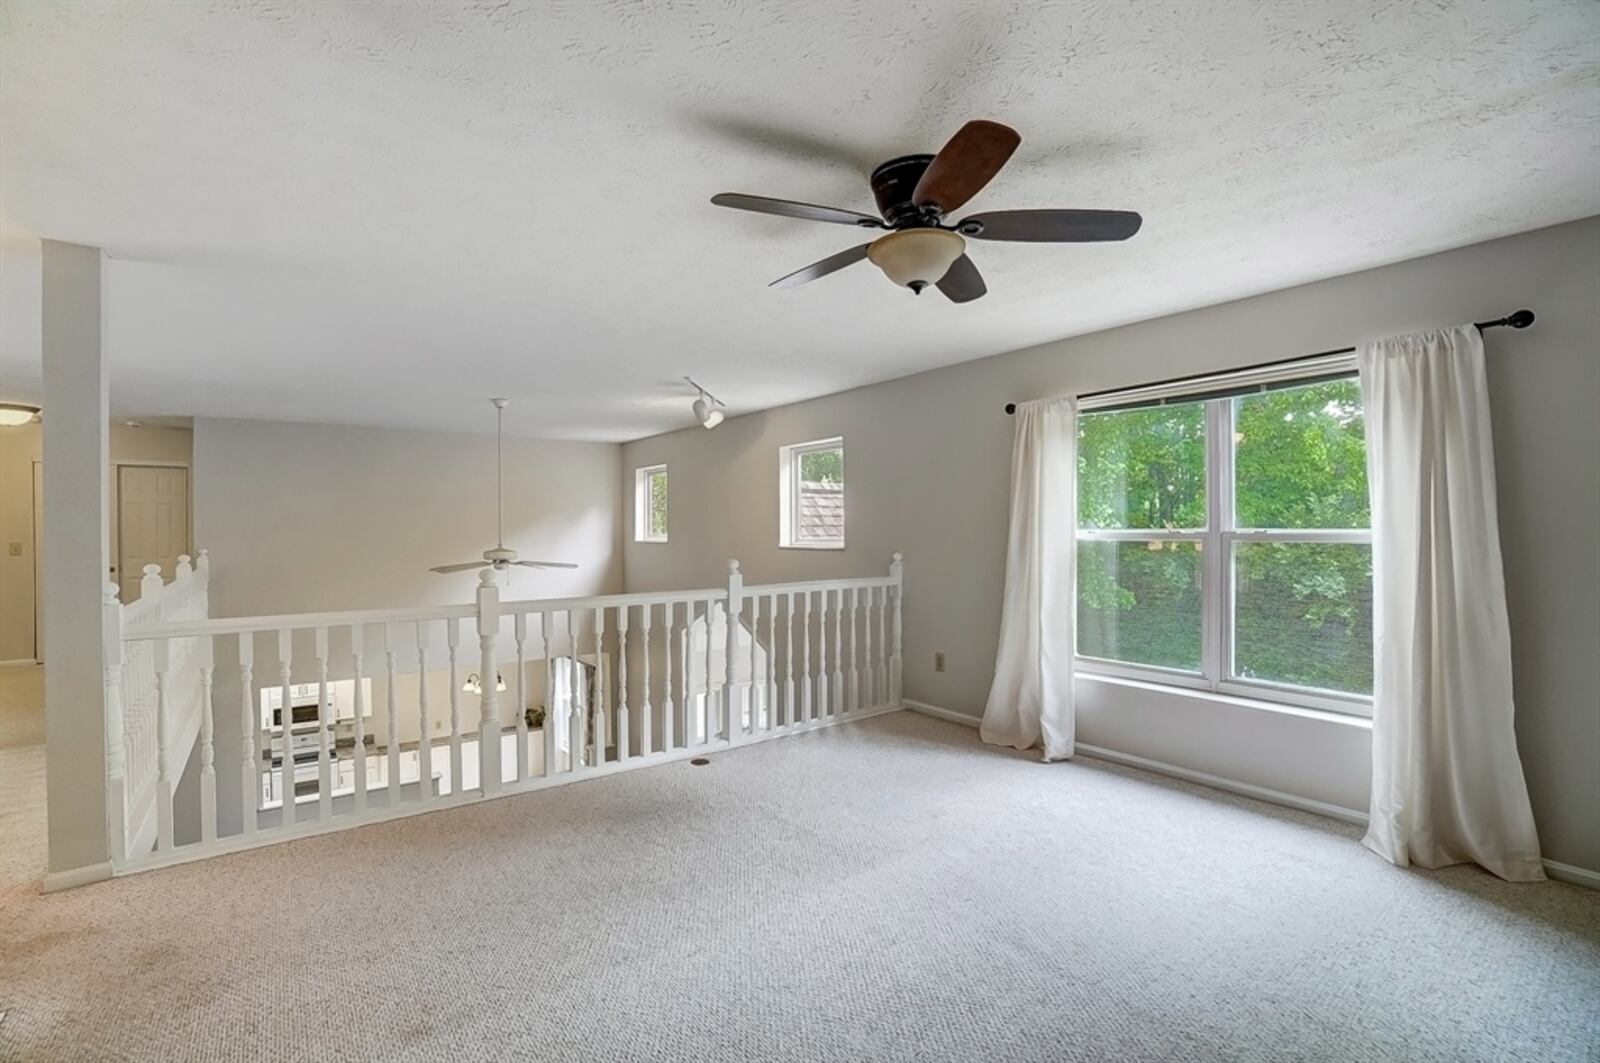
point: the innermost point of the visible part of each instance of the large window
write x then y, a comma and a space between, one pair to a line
1224, 543
811, 495
650, 504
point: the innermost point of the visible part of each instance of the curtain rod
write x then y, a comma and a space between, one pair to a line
1521, 319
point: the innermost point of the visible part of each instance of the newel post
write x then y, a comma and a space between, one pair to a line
897, 576
116, 743
488, 683
150, 585
183, 567
730, 695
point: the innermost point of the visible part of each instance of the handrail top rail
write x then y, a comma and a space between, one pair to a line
239, 625
854, 583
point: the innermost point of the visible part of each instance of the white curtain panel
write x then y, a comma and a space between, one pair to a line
1030, 703
1447, 786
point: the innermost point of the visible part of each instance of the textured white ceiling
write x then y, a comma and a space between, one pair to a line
384, 212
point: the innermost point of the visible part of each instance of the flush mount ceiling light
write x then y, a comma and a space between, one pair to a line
707, 408
916, 258
13, 414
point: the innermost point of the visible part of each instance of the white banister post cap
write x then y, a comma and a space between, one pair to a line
184, 559
896, 557
152, 569
733, 566
111, 592
486, 577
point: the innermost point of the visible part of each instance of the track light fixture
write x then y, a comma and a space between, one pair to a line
708, 409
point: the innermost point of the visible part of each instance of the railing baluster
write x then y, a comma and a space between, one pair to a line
869, 681
452, 630
730, 683
391, 644
855, 658
358, 633
163, 663
249, 724
324, 767
755, 646
552, 712
772, 662
883, 646
838, 653
897, 578
804, 714
602, 677
647, 736
424, 732
520, 629
668, 730
622, 670
622, 734
285, 730
489, 742
575, 687
208, 754
597, 711
710, 711
824, 683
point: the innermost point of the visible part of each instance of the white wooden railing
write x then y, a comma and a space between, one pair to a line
623, 680
143, 742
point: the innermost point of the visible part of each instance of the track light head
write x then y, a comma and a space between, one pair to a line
707, 408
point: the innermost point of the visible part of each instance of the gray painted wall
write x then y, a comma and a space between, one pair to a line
928, 462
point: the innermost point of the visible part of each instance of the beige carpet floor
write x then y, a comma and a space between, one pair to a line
889, 890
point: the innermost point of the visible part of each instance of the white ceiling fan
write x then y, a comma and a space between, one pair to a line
501, 557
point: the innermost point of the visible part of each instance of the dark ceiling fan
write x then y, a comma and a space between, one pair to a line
914, 194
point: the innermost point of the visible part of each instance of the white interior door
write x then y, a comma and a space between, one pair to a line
152, 522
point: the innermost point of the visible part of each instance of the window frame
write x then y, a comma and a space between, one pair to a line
789, 457
641, 503
1218, 539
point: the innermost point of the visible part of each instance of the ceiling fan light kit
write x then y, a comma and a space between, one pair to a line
914, 193
916, 258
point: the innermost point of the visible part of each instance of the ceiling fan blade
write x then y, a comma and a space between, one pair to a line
962, 282
464, 566
788, 208
545, 564
822, 269
965, 164
1051, 226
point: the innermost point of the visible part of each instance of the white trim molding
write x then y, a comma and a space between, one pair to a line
1578, 876
75, 877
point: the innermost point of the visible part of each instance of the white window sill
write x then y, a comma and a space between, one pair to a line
656, 542
1282, 708
811, 546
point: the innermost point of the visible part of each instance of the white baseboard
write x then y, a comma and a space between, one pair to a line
1578, 876
78, 876
940, 714
1218, 782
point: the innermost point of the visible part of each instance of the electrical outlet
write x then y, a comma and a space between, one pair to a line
938, 662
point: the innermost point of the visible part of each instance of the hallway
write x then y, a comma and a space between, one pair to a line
22, 796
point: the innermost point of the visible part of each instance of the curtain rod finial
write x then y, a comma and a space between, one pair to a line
1011, 407
1520, 319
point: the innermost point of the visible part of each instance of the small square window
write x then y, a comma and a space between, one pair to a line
811, 495
650, 504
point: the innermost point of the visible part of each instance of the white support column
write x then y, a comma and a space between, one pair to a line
488, 682
76, 557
